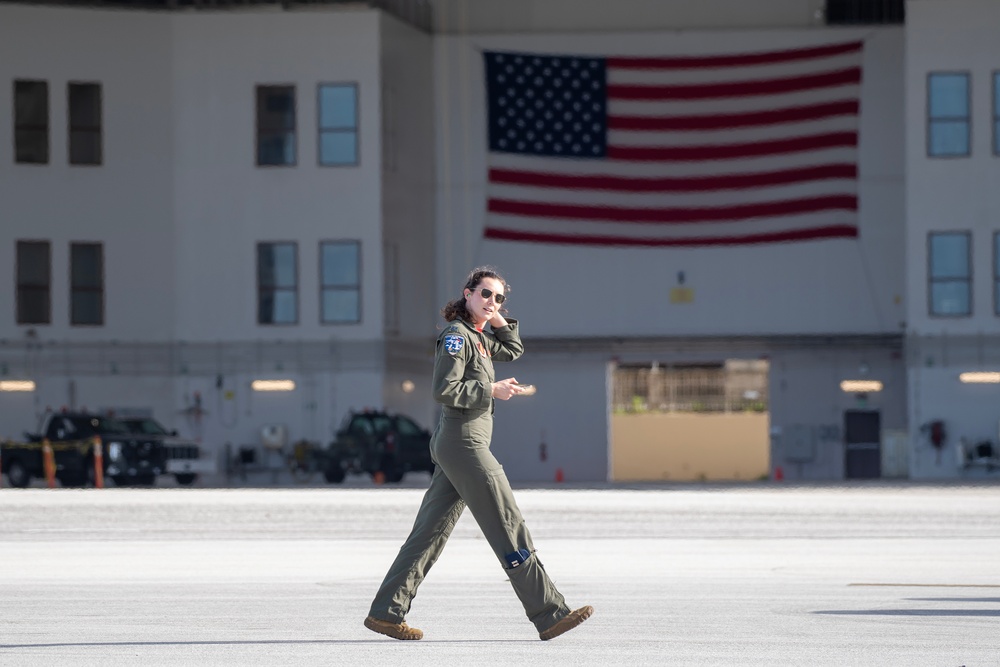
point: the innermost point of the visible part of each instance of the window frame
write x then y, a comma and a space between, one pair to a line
967, 118
996, 112
320, 130
931, 280
20, 127
261, 289
996, 273
73, 289
259, 130
72, 129
323, 288
19, 286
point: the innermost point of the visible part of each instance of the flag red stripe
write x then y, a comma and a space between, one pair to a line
704, 91
746, 119
733, 151
541, 179
678, 216
747, 59
829, 232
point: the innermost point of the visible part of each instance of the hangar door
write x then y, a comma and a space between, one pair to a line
690, 422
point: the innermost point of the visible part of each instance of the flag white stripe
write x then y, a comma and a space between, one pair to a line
672, 200
638, 231
628, 169
747, 135
732, 74
711, 107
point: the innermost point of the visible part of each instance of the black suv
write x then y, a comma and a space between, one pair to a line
378, 443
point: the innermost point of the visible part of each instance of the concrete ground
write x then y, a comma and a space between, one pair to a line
679, 575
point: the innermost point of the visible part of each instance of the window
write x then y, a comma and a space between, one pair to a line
950, 271
277, 283
864, 12
31, 122
338, 124
86, 267
996, 113
34, 282
84, 123
340, 282
948, 114
276, 125
996, 273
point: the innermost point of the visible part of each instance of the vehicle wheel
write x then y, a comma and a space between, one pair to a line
18, 475
146, 479
334, 474
120, 480
185, 478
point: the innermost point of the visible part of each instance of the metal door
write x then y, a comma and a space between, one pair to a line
863, 444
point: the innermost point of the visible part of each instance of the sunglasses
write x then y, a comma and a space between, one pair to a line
487, 293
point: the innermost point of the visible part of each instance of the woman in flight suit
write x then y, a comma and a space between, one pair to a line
466, 471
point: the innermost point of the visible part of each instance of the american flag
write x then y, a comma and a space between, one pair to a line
726, 149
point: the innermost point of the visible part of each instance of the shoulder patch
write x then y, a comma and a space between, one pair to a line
453, 343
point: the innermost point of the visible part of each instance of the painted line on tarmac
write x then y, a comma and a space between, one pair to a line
933, 585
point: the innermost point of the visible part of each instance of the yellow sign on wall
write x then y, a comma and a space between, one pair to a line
681, 295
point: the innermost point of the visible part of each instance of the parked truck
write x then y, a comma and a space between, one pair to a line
377, 443
128, 458
184, 458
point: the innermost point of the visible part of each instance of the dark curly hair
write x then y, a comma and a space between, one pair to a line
456, 310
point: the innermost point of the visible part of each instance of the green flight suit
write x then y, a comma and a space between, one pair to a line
467, 473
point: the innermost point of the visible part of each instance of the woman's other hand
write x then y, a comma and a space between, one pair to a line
504, 389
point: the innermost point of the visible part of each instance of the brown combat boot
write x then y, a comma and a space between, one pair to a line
394, 630
567, 623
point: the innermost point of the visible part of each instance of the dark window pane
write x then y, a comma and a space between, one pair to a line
32, 146
33, 263
85, 105
340, 264
276, 148
33, 306
949, 256
84, 147
31, 122
275, 125
277, 283
34, 277
86, 308
86, 283
86, 271
276, 263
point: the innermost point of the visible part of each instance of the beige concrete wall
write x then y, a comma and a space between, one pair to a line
690, 447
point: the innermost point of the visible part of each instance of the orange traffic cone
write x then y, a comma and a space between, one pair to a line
379, 477
559, 475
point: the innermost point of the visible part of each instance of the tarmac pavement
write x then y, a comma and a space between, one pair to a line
756, 574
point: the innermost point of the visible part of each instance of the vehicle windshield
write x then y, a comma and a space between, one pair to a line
146, 426
107, 425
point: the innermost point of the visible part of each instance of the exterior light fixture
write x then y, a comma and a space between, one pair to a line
860, 386
17, 385
273, 385
407, 386
980, 378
